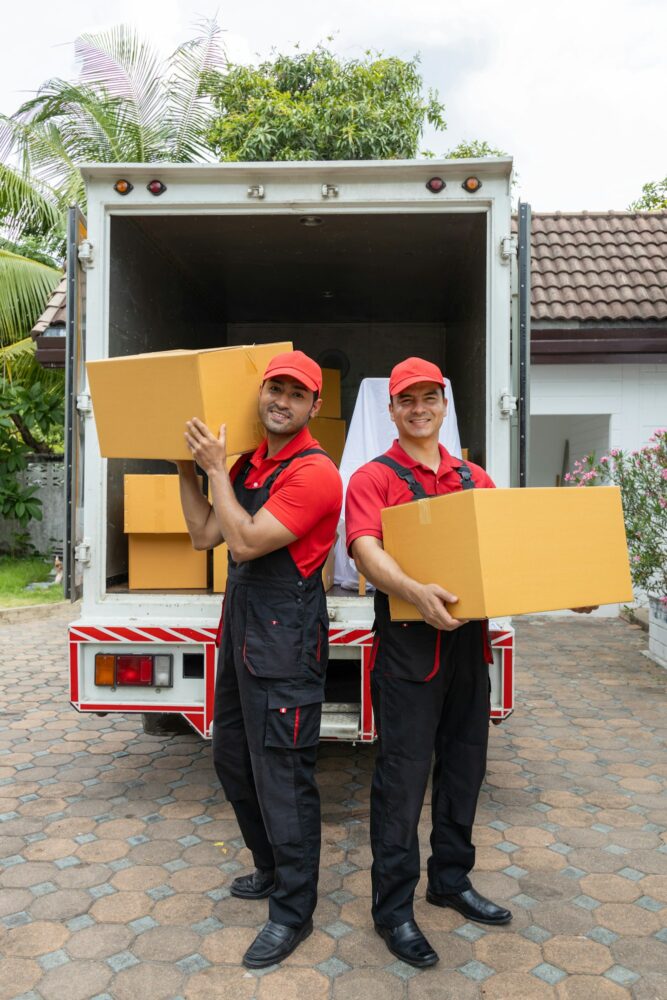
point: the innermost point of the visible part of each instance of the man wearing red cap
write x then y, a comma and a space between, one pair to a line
429, 685
278, 510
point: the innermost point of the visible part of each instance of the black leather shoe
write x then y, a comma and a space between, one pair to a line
259, 885
274, 943
409, 944
471, 905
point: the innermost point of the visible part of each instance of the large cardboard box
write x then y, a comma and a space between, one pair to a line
165, 562
141, 402
330, 393
328, 572
331, 435
161, 556
513, 551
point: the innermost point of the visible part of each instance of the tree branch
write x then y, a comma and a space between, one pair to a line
38, 447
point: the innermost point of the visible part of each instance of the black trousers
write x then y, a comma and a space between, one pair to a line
448, 716
264, 752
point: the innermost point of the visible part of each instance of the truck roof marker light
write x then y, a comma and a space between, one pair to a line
471, 184
105, 668
311, 221
156, 187
123, 186
436, 185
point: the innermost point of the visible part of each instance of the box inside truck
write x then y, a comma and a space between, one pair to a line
358, 292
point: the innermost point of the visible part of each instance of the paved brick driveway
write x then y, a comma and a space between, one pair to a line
118, 849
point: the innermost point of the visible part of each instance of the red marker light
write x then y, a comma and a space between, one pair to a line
156, 187
123, 187
435, 185
471, 184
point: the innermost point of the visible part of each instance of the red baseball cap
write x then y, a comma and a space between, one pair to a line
299, 366
413, 370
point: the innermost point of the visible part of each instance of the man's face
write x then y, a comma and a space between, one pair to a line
419, 410
285, 405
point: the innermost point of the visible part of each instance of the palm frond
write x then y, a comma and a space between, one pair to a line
190, 111
128, 69
27, 204
25, 286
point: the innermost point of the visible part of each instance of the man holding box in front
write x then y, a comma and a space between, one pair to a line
277, 510
430, 681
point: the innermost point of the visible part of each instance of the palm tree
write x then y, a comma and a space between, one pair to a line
128, 106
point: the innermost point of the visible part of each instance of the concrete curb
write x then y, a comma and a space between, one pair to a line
32, 612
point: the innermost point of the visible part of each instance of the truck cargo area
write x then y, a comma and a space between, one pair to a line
357, 291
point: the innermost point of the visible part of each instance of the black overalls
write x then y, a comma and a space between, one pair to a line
268, 705
430, 691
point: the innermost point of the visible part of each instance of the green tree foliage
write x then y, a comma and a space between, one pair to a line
654, 197
472, 149
316, 106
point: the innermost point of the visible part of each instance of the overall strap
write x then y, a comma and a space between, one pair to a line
283, 465
465, 475
416, 488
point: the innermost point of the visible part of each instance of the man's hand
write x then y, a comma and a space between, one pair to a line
587, 610
209, 452
431, 600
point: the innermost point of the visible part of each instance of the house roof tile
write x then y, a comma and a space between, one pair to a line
602, 267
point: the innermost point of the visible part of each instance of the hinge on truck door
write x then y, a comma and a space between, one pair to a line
82, 553
86, 254
508, 403
84, 403
508, 247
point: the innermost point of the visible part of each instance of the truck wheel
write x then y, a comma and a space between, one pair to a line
165, 724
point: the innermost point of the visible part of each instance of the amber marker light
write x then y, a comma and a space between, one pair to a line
435, 185
471, 184
156, 187
123, 186
105, 664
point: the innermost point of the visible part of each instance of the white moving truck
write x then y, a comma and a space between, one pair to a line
360, 264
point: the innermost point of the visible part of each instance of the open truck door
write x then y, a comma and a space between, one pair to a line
77, 404
521, 348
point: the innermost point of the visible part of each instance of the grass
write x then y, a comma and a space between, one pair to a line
15, 574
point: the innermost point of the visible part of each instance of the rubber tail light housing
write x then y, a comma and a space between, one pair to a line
134, 670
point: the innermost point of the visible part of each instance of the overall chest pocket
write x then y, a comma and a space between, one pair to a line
273, 647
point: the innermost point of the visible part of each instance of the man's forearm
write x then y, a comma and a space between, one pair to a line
196, 508
233, 521
383, 572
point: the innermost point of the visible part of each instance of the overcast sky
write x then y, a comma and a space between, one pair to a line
574, 90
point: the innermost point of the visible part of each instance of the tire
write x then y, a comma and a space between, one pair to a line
165, 724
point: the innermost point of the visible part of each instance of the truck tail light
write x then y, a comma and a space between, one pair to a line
133, 670
162, 674
105, 669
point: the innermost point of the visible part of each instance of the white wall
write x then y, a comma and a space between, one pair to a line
595, 407
585, 433
635, 396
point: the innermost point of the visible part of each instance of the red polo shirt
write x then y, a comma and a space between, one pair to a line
306, 497
375, 486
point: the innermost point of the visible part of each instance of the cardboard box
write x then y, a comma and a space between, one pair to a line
220, 569
161, 556
330, 393
513, 551
328, 572
331, 435
165, 562
153, 505
141, 402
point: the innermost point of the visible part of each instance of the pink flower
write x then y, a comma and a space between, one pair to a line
604, 459
636, 559
567, 477
614, 452
664, 473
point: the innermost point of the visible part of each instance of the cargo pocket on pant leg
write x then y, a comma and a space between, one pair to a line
270, 648
292, 720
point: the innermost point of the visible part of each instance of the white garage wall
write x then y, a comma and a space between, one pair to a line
635, 396
594, 407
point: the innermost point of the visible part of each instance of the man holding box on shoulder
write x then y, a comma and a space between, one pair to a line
429, 683
277, 510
